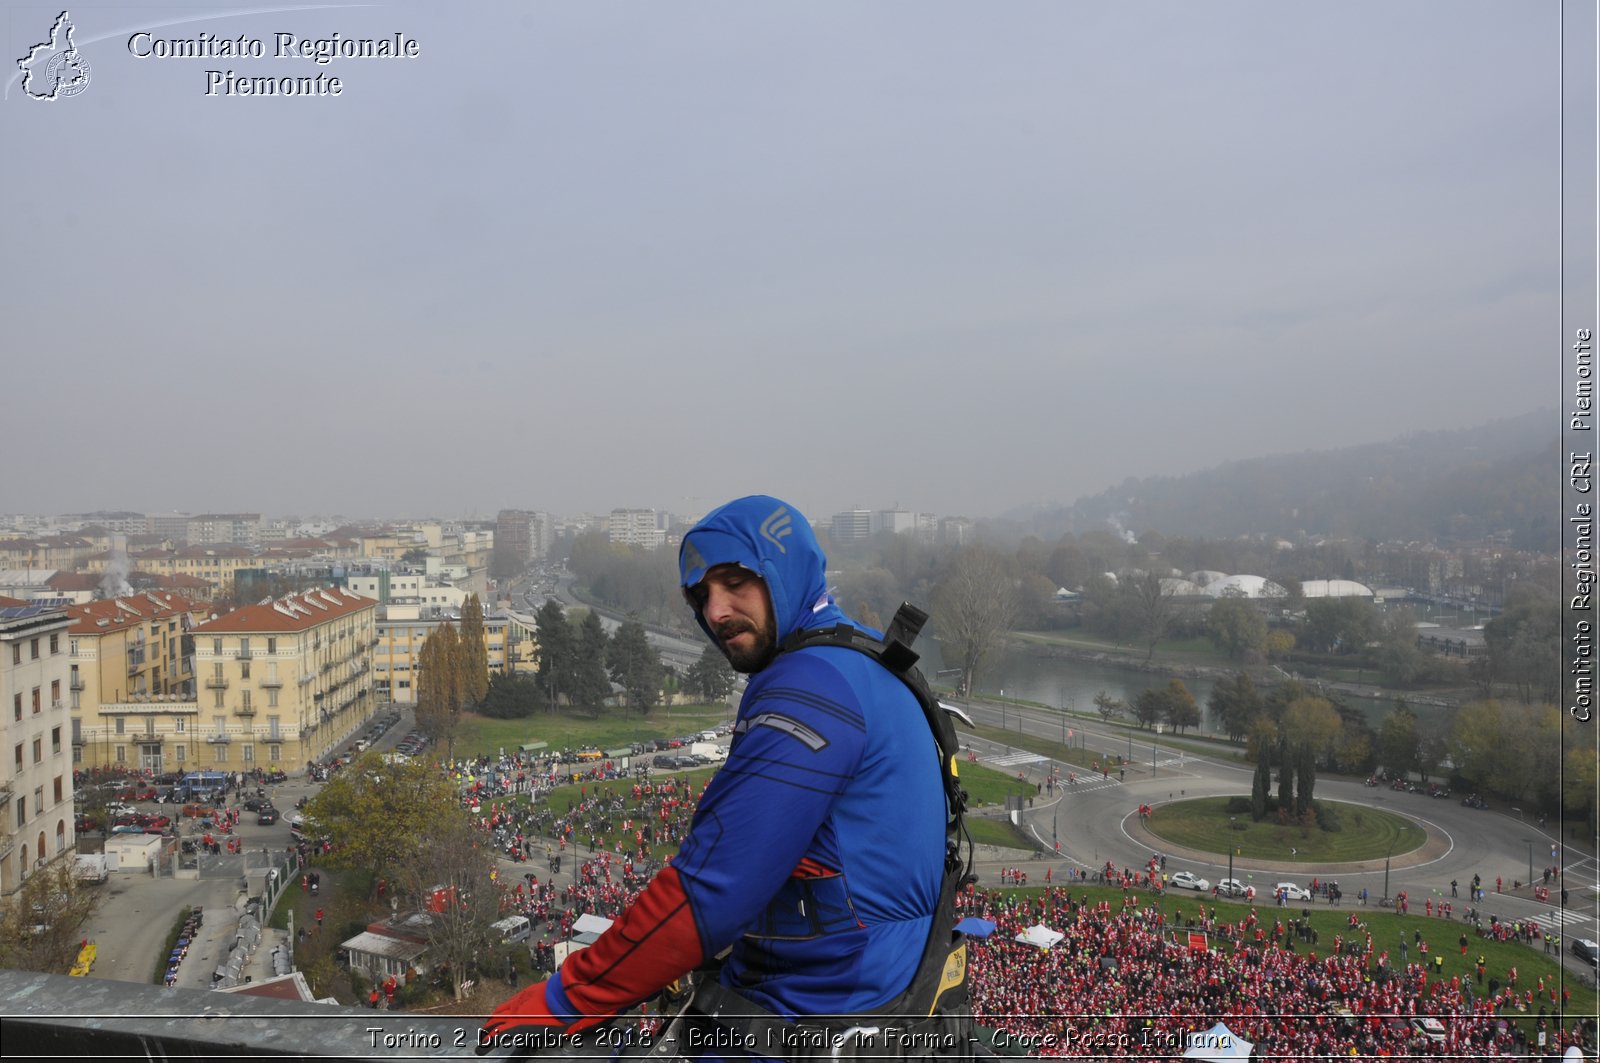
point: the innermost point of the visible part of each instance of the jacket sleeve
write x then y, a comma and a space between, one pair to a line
653, 943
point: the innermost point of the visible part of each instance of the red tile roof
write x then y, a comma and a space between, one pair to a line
127, 611
301, 611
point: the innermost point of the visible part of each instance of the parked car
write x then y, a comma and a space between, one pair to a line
1185, 880
1586, 950
1232, 887
1291, 891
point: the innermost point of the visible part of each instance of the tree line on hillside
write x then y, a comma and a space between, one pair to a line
1463, 486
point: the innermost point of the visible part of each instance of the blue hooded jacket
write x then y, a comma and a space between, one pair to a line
817, 850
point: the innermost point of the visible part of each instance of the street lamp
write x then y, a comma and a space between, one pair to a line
1233, 825
1386, 863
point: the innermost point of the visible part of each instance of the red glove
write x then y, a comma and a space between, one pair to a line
525, 1022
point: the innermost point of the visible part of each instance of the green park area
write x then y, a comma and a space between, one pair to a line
1214, 825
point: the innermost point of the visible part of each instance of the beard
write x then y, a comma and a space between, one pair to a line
754, 657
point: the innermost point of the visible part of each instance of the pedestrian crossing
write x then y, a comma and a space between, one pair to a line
1011, 760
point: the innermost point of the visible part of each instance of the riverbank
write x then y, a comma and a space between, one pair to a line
1062, 647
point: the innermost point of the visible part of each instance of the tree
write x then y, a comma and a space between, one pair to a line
1260, 788
510, 697
1153, 602
1109, 706
1507, 748
1150, 705
711, 678
439, 679
1312, 723
450, 882
1398, 741
1181, 710
474, 652
1398, 657
1236, 627
635, 665
973, 609
557, 652
1235, 703
42, 924
1305, 781
1339, 625
590, 685
1524, 647
378, 815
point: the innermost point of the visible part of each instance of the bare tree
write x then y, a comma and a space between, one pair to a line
973, 609
1152, 607
449, 884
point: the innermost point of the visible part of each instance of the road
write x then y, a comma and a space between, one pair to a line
1096, 821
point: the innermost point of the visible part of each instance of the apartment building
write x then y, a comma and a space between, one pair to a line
131, 681
36, 825
224, 529
404, 629
283, 683
635, 527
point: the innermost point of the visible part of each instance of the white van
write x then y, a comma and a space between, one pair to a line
513, 929
708, 736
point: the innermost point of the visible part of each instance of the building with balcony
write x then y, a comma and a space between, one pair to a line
130, 682
283, 682
36, 825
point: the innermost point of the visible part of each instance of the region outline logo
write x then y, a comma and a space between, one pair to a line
66, 71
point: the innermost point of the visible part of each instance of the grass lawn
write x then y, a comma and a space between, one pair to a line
998, 832
1364, 834
612, 730
1387, 929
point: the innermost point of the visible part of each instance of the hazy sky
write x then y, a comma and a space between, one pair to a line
952, 256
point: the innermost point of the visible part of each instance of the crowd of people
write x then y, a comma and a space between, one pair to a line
1123, 979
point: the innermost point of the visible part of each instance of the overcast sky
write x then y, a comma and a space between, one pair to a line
954, 257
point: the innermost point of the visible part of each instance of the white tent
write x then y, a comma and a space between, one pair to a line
1219, 1042
1040, 936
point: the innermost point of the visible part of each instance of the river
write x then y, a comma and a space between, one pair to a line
1032, 674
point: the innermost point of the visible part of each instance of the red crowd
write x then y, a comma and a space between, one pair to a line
1124, 981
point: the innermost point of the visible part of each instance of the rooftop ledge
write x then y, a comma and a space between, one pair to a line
57, 1016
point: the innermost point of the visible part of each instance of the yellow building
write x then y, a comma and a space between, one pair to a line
404, 629
284, 682
131, 681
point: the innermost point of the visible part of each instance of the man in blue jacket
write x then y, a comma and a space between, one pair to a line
817, 851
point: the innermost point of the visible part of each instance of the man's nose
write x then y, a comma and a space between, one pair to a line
717, 604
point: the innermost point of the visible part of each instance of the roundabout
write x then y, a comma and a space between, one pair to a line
1342, 833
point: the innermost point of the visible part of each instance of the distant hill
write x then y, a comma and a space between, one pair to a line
1498, 479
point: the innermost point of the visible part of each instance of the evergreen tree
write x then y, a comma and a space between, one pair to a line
1305, 780
1261, 787
556, 653
635, 665
711, 677
590, 685
1285, 777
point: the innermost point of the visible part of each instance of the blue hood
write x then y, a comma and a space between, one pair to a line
774, 540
